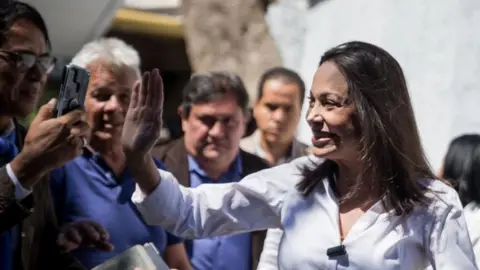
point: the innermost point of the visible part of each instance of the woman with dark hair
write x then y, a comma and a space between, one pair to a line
366, 199
461, 168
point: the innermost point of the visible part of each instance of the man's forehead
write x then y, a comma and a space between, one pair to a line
215, 109
273, 83
97, 85
25, 36
111, 75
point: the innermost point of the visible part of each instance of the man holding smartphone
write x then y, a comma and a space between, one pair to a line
27, 237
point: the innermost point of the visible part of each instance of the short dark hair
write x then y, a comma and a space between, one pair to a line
12, 11
390, 145
285, 75
208, 87
462, 167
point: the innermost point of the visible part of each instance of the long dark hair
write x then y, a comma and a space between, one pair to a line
462, 167
390, 145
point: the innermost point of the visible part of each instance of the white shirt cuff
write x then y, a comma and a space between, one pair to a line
20, 192
165, 197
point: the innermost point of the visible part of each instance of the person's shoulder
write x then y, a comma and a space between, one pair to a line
160, 151
296, 167
300, 149
471, 212
71, 167
251, 162
443, 196
282, 179
247, 144
307, 160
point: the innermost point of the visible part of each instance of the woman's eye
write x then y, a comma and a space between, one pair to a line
329, 103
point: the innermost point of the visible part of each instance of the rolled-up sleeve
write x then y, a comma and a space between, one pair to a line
252, 204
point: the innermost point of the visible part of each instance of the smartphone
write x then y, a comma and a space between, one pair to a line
73, 89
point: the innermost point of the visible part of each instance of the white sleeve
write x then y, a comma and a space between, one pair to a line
20, 192
472, 218
450, 246
252, 204
269, 257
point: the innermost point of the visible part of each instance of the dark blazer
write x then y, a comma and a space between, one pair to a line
35, 216
174, 156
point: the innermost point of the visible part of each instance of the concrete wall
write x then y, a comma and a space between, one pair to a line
287, 21
436, 42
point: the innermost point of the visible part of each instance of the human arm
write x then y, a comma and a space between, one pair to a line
12, 211
449, 245
49, 143
252, 204
175, 254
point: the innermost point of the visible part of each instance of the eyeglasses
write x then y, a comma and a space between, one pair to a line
25, 61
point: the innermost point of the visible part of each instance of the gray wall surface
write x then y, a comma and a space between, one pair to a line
287, 22
436, 42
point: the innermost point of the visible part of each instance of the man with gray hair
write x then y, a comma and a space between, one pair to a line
97, 184
214, 113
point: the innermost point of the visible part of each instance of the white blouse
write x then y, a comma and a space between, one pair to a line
433, 237
472, 217
269, 257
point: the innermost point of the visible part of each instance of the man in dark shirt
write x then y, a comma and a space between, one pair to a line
27, 237
214, 114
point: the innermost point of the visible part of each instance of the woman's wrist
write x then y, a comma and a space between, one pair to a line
144, 172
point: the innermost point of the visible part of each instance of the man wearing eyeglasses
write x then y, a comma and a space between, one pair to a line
28, 231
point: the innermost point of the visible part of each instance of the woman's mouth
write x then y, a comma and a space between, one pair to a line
321, 138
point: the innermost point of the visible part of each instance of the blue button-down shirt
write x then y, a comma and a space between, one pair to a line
8, 239
232, 252
86, 188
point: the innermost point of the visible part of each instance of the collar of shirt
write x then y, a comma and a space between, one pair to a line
235, 170
261, 153
99, 165
9, 131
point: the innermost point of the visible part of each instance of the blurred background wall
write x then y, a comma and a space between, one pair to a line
436, 42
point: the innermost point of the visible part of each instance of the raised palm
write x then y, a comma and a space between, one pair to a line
143, 121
